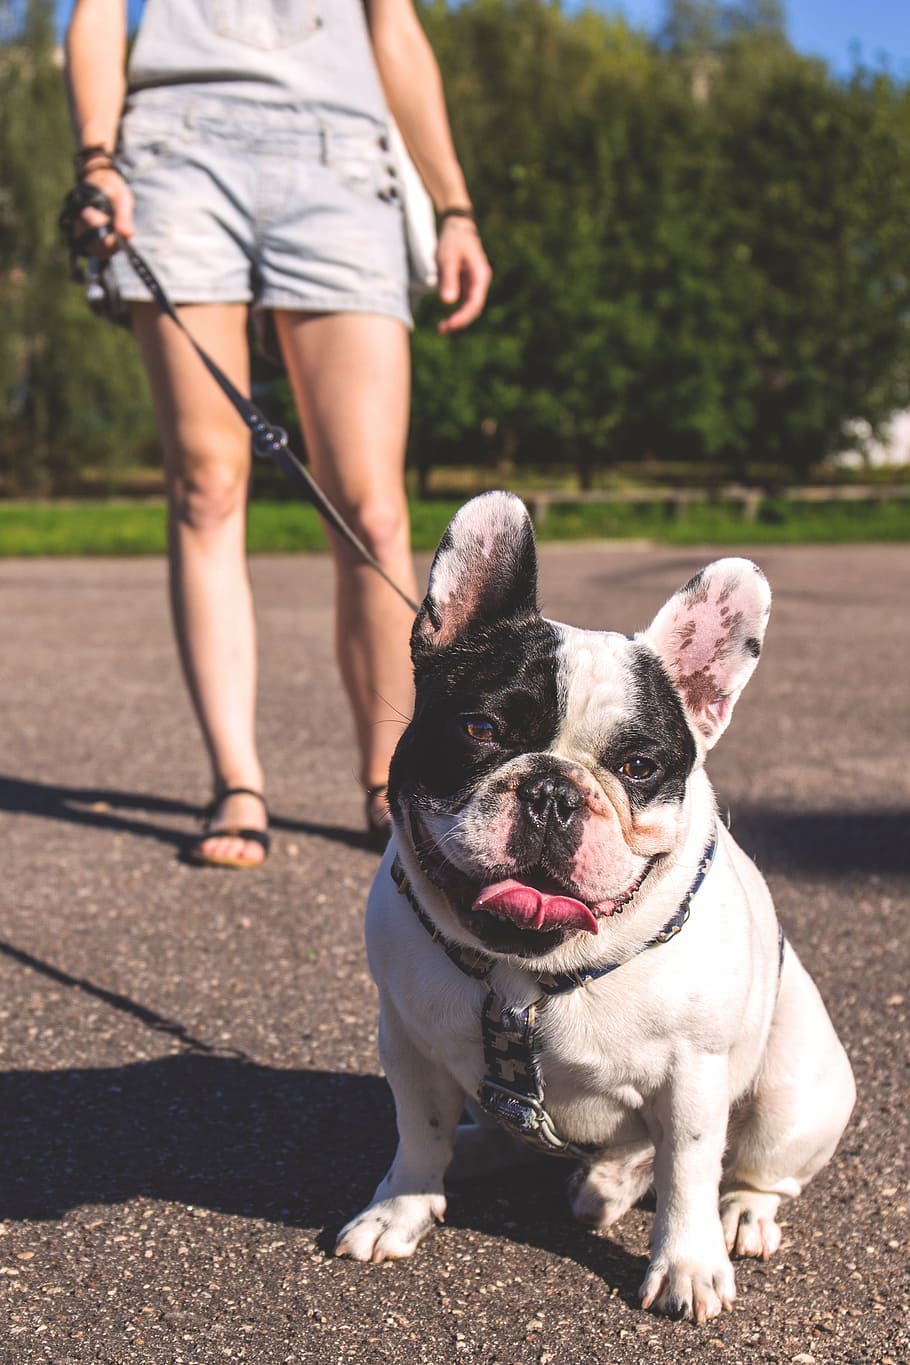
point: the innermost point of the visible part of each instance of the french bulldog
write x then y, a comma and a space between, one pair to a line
565, 936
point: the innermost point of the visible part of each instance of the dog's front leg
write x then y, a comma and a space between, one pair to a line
410, 1198
690, 1275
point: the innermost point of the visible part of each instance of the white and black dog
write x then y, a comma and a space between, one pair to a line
564, 934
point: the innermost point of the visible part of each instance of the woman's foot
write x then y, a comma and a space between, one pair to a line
379, 816
236, 831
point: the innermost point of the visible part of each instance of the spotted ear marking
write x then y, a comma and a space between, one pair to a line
485, 569
709, 636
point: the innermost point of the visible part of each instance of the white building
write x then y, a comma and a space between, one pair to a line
892, 449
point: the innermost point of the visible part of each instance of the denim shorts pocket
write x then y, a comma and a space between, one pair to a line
267, 24
143, 148
371, 175
137, 160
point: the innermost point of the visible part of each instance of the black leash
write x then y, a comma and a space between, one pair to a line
148, 1017
269, 441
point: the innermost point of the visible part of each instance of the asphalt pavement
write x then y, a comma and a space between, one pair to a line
190, 1098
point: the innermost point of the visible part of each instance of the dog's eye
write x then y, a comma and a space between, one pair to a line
638, 768
480, 729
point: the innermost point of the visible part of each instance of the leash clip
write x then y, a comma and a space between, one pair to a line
268, 441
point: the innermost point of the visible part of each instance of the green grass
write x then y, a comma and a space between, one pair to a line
84, 528
778, 523
138, 528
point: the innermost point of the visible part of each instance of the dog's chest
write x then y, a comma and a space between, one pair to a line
586, 1056
598, 1064
602, 1051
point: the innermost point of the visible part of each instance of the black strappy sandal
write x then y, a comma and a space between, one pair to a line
378, 831
193, 852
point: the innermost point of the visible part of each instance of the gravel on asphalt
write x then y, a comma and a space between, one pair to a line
190, 1096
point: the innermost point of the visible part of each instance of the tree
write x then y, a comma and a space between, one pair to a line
819, 200
710, 269
73, 394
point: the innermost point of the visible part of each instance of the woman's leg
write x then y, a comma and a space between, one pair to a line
350, 373
207, 464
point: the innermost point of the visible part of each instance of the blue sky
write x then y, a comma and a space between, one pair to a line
824, 28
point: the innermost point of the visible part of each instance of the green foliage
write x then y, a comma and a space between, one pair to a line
699, 244
72, 390
700, 247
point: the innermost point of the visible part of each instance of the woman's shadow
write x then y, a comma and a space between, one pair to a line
217, 1132
300, 1148
140, 813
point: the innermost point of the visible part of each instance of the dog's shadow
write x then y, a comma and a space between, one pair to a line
529, 1204
217, 1132
300, 1148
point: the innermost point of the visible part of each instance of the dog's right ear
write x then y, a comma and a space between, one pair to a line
708, 638
485, 569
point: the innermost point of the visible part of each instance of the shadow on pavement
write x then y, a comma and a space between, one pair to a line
826, 842
220, 1133
149, 1017
225, 1133
300, 1148
106, 808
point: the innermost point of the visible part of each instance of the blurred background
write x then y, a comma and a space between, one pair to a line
698, 215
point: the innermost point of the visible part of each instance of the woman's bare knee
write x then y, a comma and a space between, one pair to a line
382, 525
208, 492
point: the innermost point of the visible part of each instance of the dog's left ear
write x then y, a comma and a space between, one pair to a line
709, 636
485, 569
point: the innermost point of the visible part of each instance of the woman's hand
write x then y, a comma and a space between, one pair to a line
464, 272
111, 184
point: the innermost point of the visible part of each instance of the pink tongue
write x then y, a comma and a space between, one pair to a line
533, 909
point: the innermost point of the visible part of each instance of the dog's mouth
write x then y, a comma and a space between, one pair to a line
531, 905
525, 915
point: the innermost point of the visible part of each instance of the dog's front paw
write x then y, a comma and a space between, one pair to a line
684, 1287
390, 1229
748, 1219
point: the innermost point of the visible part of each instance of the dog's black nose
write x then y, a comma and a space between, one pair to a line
550, 797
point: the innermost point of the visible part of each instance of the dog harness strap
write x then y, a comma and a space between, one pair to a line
471, 963
510, 1044
512, 1090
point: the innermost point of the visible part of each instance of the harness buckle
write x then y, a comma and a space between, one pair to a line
522, 1114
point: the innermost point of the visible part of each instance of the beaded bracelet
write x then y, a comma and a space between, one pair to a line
89, 159
456, 211
82, 155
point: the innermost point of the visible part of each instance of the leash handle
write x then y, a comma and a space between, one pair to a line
83, 196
